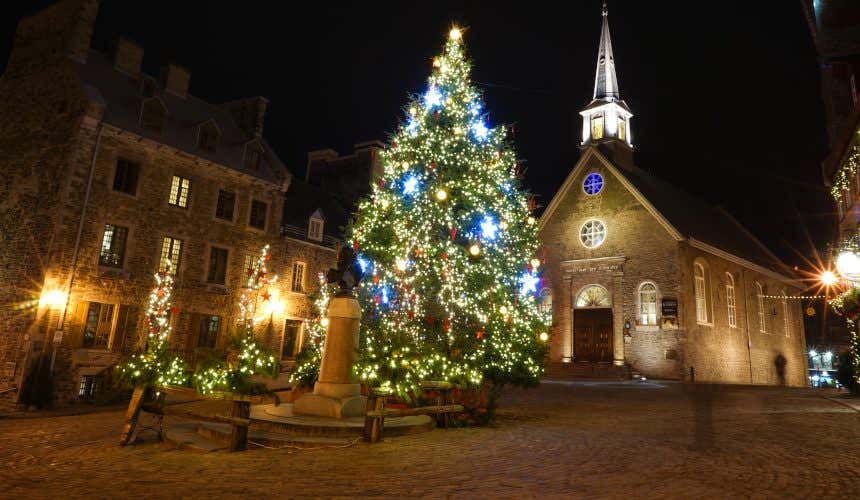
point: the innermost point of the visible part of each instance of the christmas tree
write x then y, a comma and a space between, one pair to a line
157, 365
449, 248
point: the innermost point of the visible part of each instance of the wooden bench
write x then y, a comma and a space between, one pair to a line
152, 401
374, 419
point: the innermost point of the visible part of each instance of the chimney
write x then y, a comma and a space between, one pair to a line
316, 160
174, 79
249, 113
60, 31
127, 56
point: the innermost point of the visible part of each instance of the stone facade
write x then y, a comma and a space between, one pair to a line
642, 247
71, 123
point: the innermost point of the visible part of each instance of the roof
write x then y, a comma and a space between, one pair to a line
605, 80
685, 216
122, 98
303, 200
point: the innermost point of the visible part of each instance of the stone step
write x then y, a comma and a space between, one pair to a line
185, 436
221, 433
572, 371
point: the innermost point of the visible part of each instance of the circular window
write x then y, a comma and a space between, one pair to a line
592, 233
592, 184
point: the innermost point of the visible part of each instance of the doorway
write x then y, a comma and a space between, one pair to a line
592, 335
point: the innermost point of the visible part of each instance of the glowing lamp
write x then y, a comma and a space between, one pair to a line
455, 34
530, 220
324, 321
848, 265
488, 228
410, 185
53, 299
543, 336
433, 97
474, 250
828, 278
812, 353
441, 195
436, 62
401, 265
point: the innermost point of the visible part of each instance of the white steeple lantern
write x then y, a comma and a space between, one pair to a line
607, 117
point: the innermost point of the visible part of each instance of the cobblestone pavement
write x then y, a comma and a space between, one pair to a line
645, 440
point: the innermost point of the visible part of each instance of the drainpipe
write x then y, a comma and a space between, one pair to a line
62, 318
747, 321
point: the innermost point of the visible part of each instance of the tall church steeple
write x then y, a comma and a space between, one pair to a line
607, 118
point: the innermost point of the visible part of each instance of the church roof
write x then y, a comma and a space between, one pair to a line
686, 217
694, 218
605, 80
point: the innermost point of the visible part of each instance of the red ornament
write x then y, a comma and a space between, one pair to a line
480, 333
267, 256
531, 204
444, 256
501, 152
453, 233
160, 292
381, 183
410, 314
355, 245
436, 115
375, 279
446, 325
377, 299
431, 320
433, 165
266, 295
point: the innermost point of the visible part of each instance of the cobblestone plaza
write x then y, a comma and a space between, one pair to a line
572, 439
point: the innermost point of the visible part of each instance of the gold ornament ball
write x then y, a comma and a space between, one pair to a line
441, 195
543, 336
530, 220
401, 265
474, 250
437, 62
324, 322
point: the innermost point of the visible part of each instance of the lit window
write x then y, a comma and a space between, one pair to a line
592, 233
315, 229
112, 253
179, 188
298, 284
730, 300
594, 296
545, 301
597, 126
648, 304
762, 318
258, 214
90, 386
97, 328
171, 252
592, 184
622, 128
700, 281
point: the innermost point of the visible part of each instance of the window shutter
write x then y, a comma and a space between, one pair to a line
193, 332
79, 320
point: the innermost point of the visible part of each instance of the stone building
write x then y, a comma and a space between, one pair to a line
107, 173
643, 277
346, 178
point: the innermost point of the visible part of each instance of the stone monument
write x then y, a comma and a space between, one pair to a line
337, 393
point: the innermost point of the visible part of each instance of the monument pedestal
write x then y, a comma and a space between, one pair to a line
336, 392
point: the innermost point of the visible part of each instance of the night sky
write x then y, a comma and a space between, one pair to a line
725, 95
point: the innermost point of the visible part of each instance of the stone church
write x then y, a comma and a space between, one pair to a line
644, 278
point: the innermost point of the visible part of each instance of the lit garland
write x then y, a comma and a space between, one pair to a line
447, 239
308, 360
247, 357
157, 366
794, 297
844, 176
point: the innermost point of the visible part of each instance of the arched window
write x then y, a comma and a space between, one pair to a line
762, 319
152, 115
593, 296
545, 300
731, 308
786, 314
703, 299
647, 304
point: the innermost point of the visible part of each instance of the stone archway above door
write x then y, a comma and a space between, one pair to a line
593, 296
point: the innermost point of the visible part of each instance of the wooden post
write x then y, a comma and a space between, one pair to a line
131, 416
374, 420
239, 435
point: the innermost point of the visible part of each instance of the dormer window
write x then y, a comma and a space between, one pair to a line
207, 137
147, 87
152, 115
597, 126
315, 226
253, 156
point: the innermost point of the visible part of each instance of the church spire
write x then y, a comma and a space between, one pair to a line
606, 120
605, 81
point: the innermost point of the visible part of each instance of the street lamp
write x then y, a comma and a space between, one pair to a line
828, 278
848, 265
